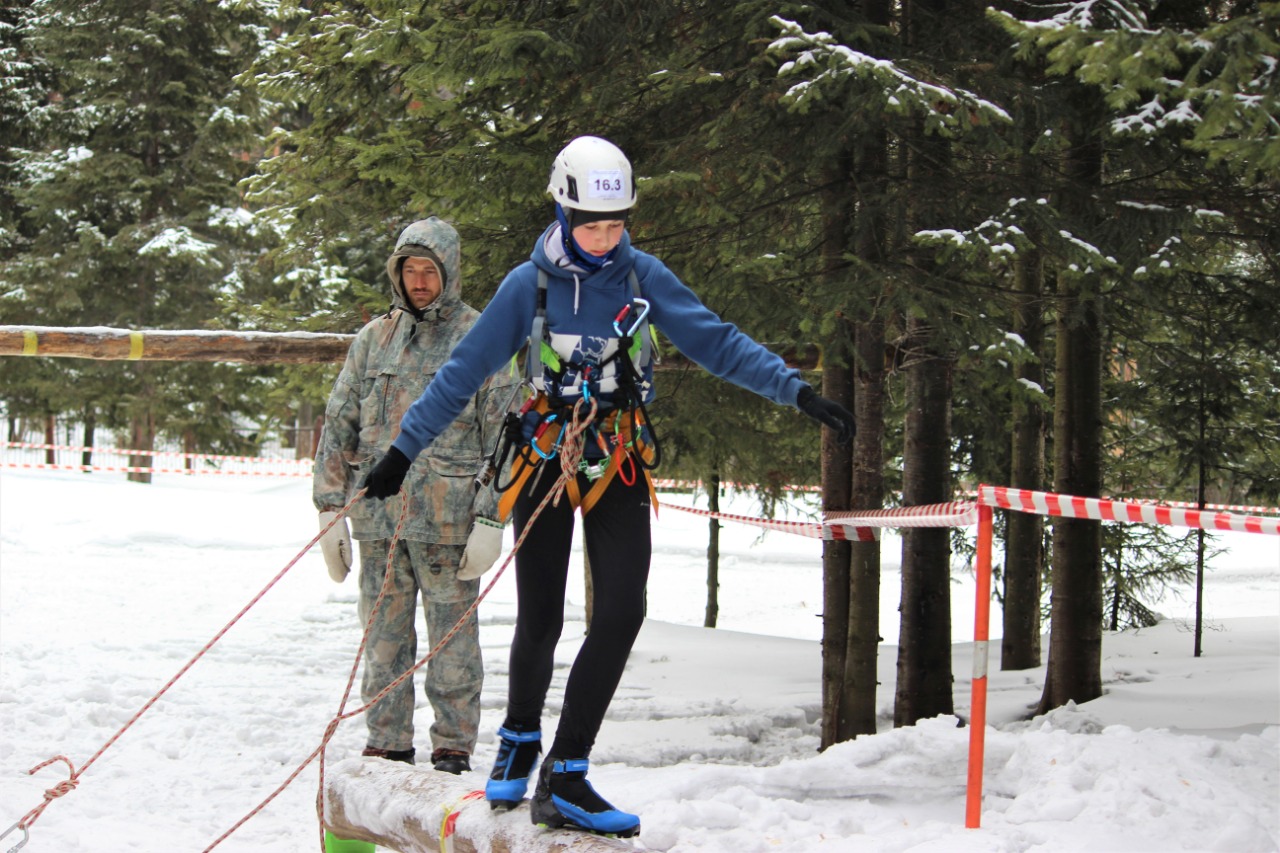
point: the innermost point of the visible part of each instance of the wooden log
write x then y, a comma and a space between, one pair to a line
402, 807
108, 344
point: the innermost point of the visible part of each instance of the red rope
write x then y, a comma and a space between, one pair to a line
63, 788
570, 455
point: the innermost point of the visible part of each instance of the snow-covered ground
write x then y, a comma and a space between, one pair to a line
108, 588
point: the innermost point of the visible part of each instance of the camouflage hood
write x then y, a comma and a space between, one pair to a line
435, 239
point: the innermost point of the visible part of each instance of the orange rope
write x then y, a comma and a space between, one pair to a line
570, 455
63, 788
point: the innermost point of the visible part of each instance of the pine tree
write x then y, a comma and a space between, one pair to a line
131, 191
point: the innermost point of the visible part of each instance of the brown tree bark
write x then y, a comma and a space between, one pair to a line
924, 650
1024, 532
1074, 671
837, 462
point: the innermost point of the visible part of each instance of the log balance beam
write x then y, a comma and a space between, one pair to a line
404, 808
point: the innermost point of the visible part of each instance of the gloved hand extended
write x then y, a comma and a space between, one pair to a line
336, 546
484, 545
827, 412
387, 476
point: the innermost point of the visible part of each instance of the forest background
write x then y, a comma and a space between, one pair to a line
1037, 245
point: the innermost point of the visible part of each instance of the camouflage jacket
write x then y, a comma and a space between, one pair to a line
391, 361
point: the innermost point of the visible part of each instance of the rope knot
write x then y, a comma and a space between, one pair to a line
60, 790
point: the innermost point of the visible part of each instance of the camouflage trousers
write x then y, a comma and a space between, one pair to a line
454, 675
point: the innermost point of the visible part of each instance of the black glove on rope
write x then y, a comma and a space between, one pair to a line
387, 476
828, 413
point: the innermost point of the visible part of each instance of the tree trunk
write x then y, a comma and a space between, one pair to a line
863, 642
142, 436
142, 432
90, 427
837, 465
713, 554
50, 438
1074, 671
924, 650
837, 461
302, 438
1024, 532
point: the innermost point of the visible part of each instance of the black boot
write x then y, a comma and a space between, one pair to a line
453, 761
564, 797
405, 755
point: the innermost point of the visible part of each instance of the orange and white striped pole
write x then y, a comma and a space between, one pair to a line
978, 690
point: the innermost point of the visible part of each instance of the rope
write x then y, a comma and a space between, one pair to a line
570, 455
63, 788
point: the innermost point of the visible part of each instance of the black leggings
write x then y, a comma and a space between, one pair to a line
618, 547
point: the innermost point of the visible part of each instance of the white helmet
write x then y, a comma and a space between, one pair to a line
592, 174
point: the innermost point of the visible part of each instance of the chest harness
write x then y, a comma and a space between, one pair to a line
620, 439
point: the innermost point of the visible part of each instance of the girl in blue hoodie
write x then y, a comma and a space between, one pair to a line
580, 298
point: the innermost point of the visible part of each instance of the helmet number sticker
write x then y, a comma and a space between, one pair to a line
606, 184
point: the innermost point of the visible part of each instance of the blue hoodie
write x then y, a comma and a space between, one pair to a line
581, 308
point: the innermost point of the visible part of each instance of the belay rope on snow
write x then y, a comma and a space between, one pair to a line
571, 447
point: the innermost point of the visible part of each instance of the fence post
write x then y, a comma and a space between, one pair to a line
978, 706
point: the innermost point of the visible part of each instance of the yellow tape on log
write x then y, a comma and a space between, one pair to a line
30, 342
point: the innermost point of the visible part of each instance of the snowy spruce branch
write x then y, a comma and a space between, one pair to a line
995, 242
831, 67
1215, 90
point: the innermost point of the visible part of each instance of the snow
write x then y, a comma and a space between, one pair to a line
177, 243
108, 588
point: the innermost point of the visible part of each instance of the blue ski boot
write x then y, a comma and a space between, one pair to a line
564, 797
517, 754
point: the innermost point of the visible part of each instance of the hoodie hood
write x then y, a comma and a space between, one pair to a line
435, 239
549, 254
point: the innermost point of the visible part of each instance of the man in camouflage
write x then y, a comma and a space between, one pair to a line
449, 524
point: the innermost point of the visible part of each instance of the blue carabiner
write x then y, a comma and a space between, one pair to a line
555, 448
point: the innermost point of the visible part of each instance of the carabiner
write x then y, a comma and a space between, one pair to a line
25, 836
555, 448
644, 312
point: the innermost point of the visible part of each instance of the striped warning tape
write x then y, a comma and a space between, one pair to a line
952, 514
1103, 509
145, 469
659, 483
23, 445
809, 529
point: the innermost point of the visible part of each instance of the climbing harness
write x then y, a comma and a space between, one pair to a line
619, 431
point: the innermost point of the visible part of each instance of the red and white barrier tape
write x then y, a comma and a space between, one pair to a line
1103, 509
111, 460
953, 514
25, 445
140, 469
809, 529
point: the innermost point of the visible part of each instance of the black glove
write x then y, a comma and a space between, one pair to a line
387, 476
827, 412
